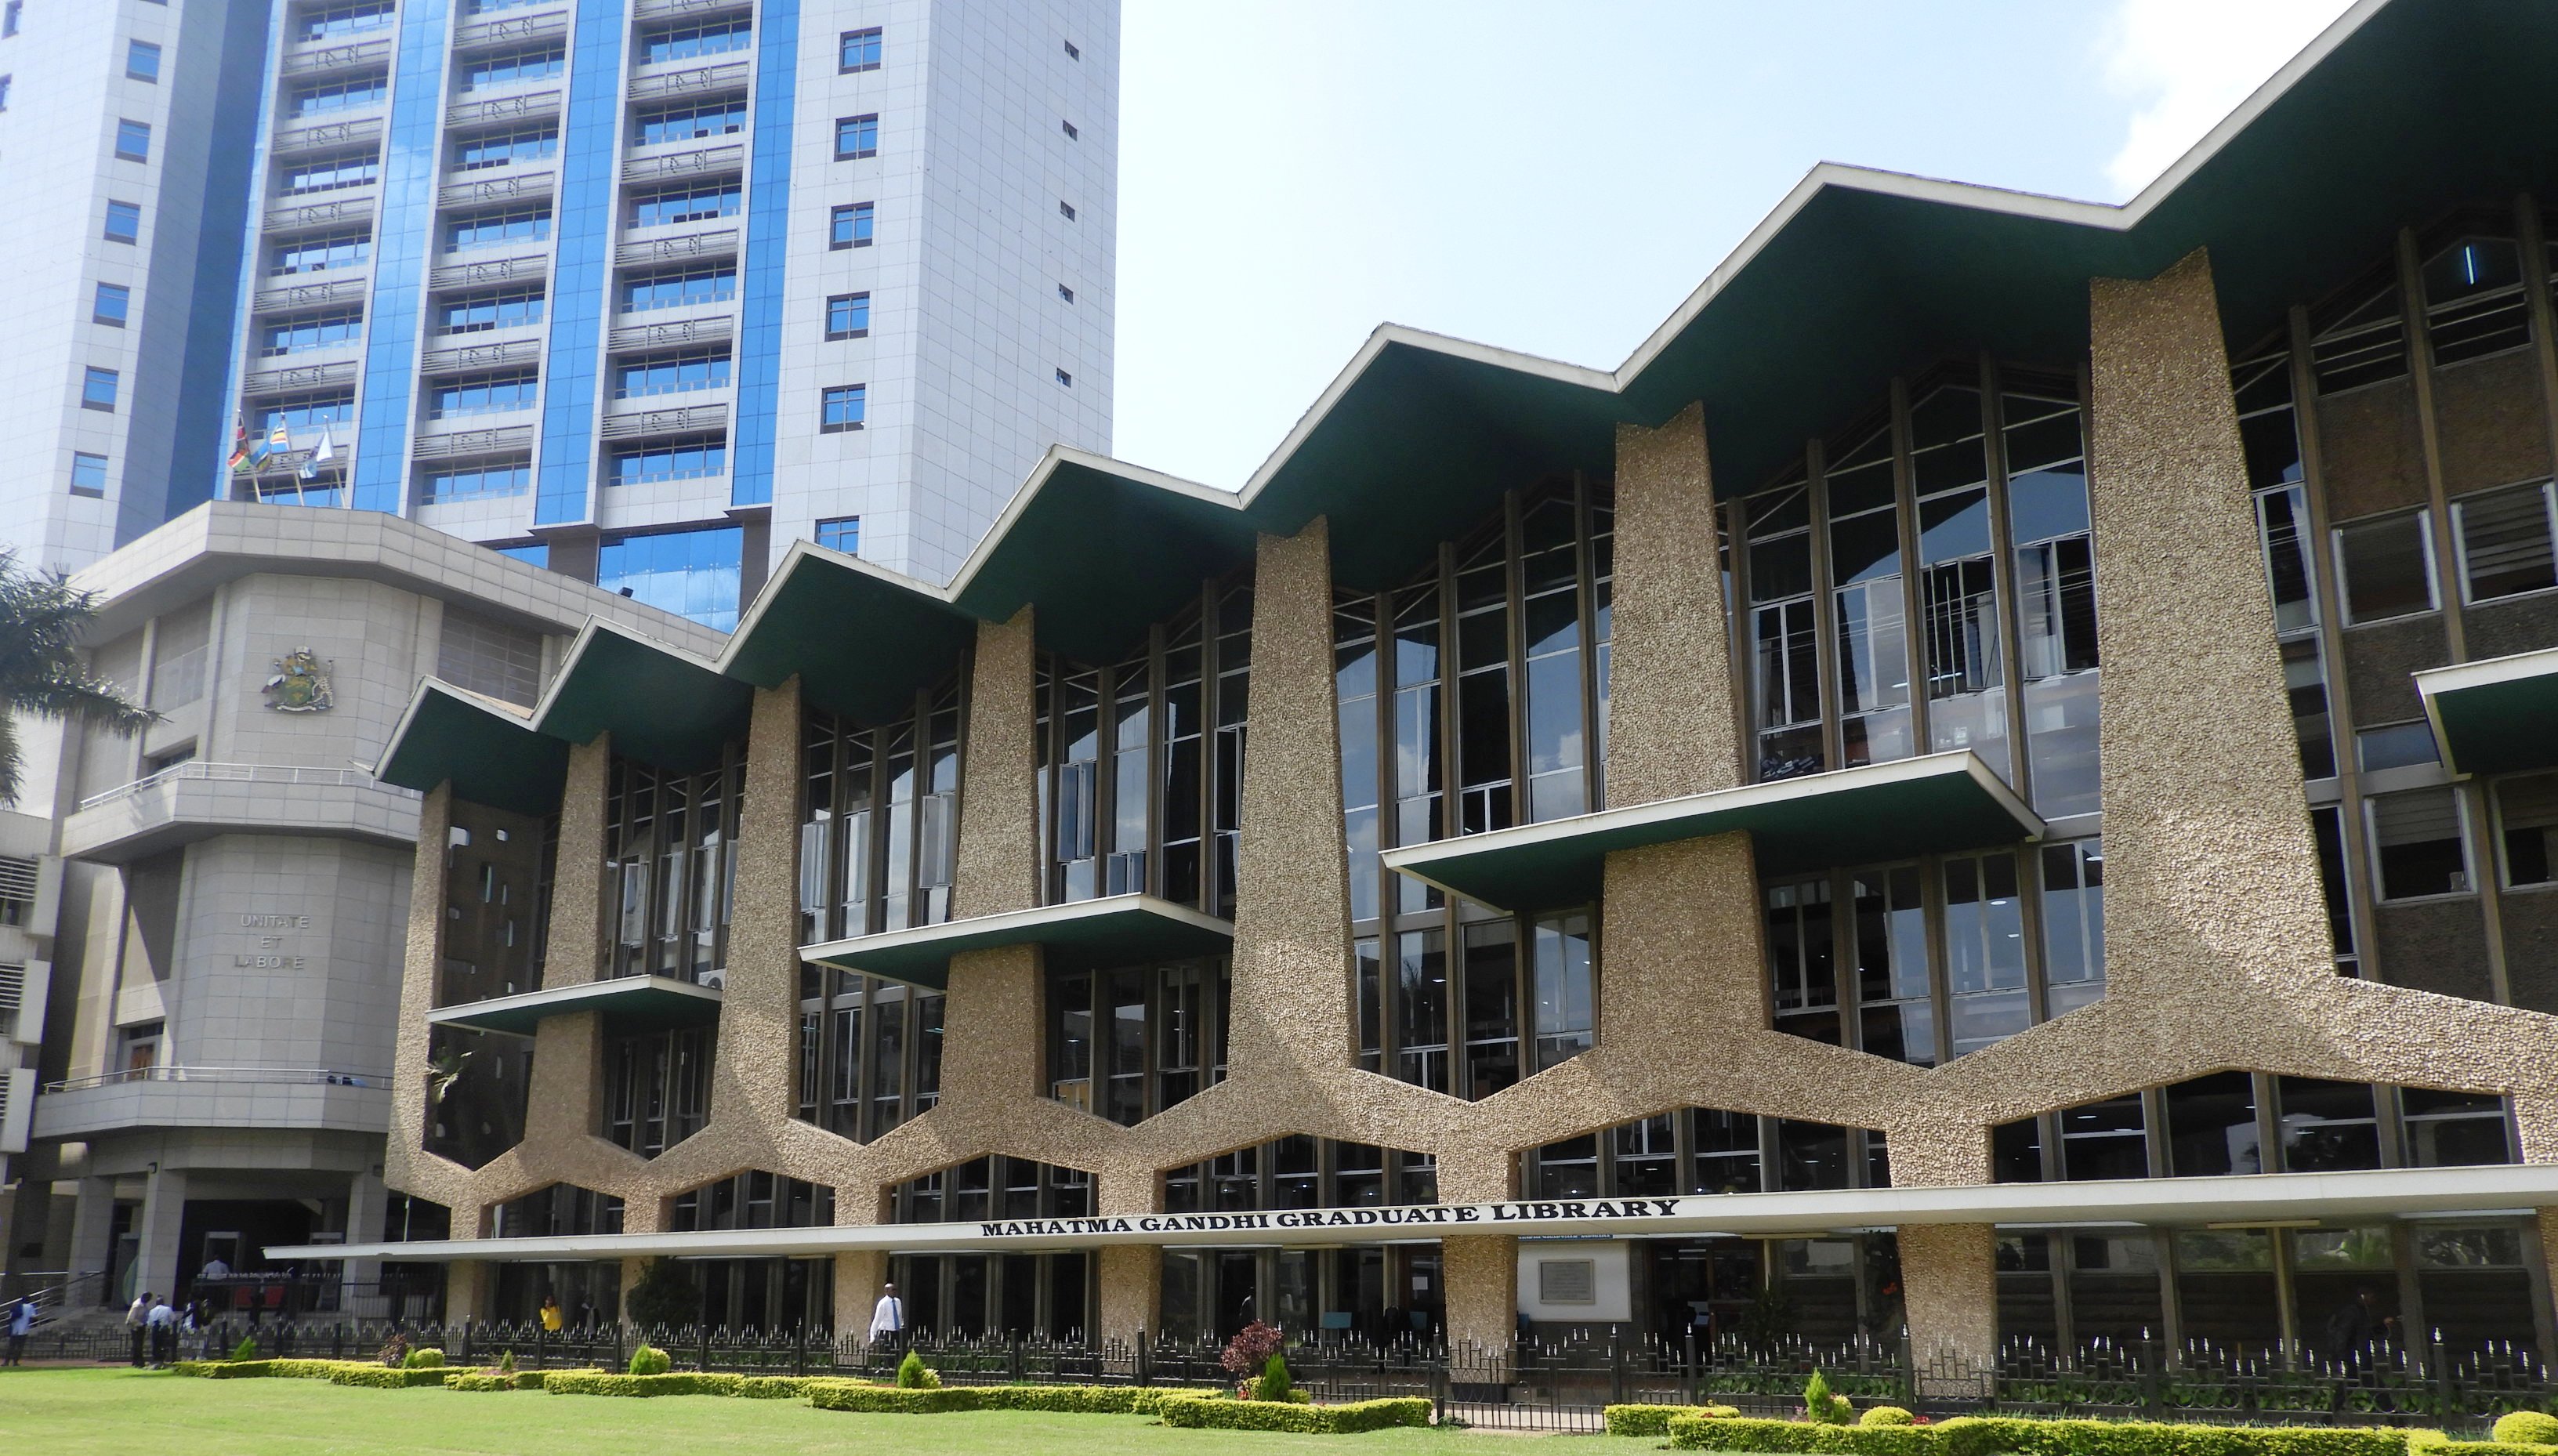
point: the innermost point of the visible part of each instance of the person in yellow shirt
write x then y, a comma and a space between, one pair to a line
550, 1314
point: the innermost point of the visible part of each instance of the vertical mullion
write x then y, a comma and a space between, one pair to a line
1209, 662
1824, 605
2003, 578
1912, 600
1158, 753
1743, 628
1585, 571
1931, 906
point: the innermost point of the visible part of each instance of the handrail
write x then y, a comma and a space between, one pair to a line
242, 773
261, 1075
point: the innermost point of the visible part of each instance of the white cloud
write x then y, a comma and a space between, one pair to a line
2187, 63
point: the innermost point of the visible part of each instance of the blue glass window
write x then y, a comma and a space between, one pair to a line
537, 553
488, 394
328, 173
499, 148
88, 474
311, 331
691, 573
860, 50
843, 407
679, 290
685, 40
307, 414
479, 482
290, 489
123, 221
474, 313
319, 255
487, 229
856, 136
674, 374
850, 225
320, 98
848, 316
98, 390
695, 204
688, 121
668, 460
329, 21
539, 64
843, 534
133, 141
142, 62
113, 306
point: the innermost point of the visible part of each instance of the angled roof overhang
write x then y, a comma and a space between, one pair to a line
662, 707
1935, 804
1118, 930
862, 640
490, 753
635, 1003
2500, 716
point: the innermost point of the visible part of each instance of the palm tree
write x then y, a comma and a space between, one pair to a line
41, 618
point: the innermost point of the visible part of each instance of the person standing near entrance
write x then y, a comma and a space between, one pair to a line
136, 1319
887, 1317
22, 1323
550, 1314
163, 1324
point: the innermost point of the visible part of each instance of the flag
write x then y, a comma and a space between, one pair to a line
277, 441
239, 444
326, 452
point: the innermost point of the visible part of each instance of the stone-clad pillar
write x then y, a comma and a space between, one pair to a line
759, 1026
1131, 1280
859, 1274
1949, 1295
993, 1032
578, 933
1672, 726
420, 970
1290, 1017
2211, 871
1481, 1272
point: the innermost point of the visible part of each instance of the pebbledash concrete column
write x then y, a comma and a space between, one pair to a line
577, 936
1481, 1272
993, 1037
1131, 1280
467, 1291
421, 969
759, 1022
366, 1199
1949, 1295
1289, 1020
859, 1277
1672, 726
2210, 872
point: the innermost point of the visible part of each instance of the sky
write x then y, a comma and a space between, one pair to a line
1556, 179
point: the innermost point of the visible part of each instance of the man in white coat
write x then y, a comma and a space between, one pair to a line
887, 1317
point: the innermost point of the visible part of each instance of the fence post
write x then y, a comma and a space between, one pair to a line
1616, 1366
619, 1361
1145, 1359
1439, 1386
2153, 1379
799, 1348
2438, 1366
705, 1356
338, 1343
1017, 1357
464, 1356
1687, 1364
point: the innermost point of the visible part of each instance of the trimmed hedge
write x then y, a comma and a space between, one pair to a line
304, 1369
862, 1395
492, 1380
1205, 1413
2527, 1429
1654, 1420
680, 1382
2017, 1436
383, 1378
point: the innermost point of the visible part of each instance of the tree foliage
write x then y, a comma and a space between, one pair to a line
43, 619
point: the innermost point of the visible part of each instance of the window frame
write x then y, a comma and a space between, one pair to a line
90, 377
134, 50
862, 221
831, 395
857, 307
858, 128
132, 140
2460, 541
124, 301
859, 51
2380, 875
2424, 518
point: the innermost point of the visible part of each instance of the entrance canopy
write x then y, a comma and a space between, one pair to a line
2240, 1200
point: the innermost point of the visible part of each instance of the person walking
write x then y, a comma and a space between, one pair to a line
136, 1319
163, 1324
551, 1319
22, 1323
887, 1317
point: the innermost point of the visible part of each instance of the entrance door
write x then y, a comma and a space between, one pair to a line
1238, 1290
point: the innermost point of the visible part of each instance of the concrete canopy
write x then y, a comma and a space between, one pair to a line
2495, 716
1117, 929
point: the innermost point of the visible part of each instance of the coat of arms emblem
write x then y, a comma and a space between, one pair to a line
300, 683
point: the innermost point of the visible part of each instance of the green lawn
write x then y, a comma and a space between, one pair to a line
72, 1413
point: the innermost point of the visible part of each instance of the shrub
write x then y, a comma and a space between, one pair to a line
648, 1359
1823, 1409
914, 1375
246, 1349
663, 1295
383, 1378
1654, 1420
600, 1382
1274, 1384
1202, 1414
1249, 1351
827, 1394
394, 1350
2527, 1429
862, 1397
506, 1361
493, 1380
425, 1357
1886, 1415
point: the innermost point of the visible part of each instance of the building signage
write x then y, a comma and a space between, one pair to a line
1505, 1214
270, 946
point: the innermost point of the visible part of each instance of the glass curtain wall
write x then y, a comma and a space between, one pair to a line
670, 867
1129, 1042
879, 845
1471, 697
1372, 1292
1963, 510
1141, 762
970, 1295
1702, 1151
657, 1088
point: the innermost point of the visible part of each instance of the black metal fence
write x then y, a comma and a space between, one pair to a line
1551, 1386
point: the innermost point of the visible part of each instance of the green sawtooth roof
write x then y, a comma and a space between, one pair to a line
2402, 111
